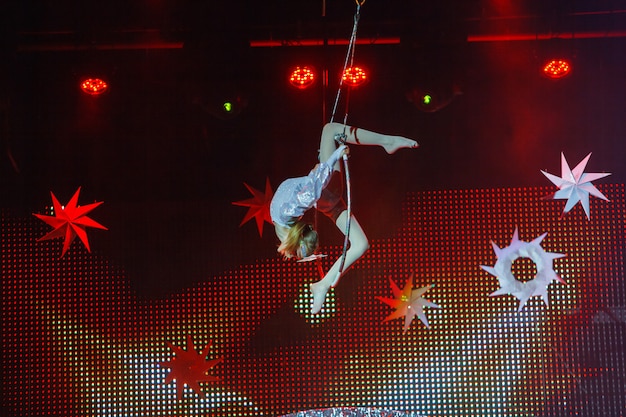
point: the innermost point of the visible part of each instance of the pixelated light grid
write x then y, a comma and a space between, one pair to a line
77, 340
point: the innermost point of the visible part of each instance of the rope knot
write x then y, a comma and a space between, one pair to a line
341, 138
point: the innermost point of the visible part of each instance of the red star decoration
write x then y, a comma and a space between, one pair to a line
70, 221
189, 367
259, 206
408, 303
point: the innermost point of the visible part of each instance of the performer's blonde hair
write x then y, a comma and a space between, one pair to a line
300, 235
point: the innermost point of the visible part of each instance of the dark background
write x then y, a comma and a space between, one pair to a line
158, 151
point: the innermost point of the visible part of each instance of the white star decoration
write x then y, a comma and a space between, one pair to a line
543, 262
575, 184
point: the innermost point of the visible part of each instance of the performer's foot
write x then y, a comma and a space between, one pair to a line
399, 142
318, 291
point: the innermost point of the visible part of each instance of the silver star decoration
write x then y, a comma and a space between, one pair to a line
575, 184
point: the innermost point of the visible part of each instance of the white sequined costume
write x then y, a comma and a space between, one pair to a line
295, 196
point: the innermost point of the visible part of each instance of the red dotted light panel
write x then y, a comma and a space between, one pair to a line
78, 342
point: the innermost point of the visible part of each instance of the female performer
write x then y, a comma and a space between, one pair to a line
323, 189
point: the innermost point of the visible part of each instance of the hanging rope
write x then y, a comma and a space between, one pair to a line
349, 61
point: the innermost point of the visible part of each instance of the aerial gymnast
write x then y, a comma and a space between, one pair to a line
322, 188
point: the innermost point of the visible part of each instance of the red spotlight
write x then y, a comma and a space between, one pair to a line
355, 76
302, 77
94, 86
556, 68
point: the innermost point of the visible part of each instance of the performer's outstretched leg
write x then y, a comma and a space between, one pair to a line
358, 136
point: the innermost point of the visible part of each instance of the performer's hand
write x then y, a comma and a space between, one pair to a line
346, 151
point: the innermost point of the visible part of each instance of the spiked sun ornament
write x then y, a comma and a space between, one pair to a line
575, 184
70, 221
509, 284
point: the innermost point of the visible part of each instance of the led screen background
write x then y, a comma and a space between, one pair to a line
79, 341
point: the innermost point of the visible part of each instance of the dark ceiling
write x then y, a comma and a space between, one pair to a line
69, 25
163, 55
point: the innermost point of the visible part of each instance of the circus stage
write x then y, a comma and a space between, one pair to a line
142, 144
